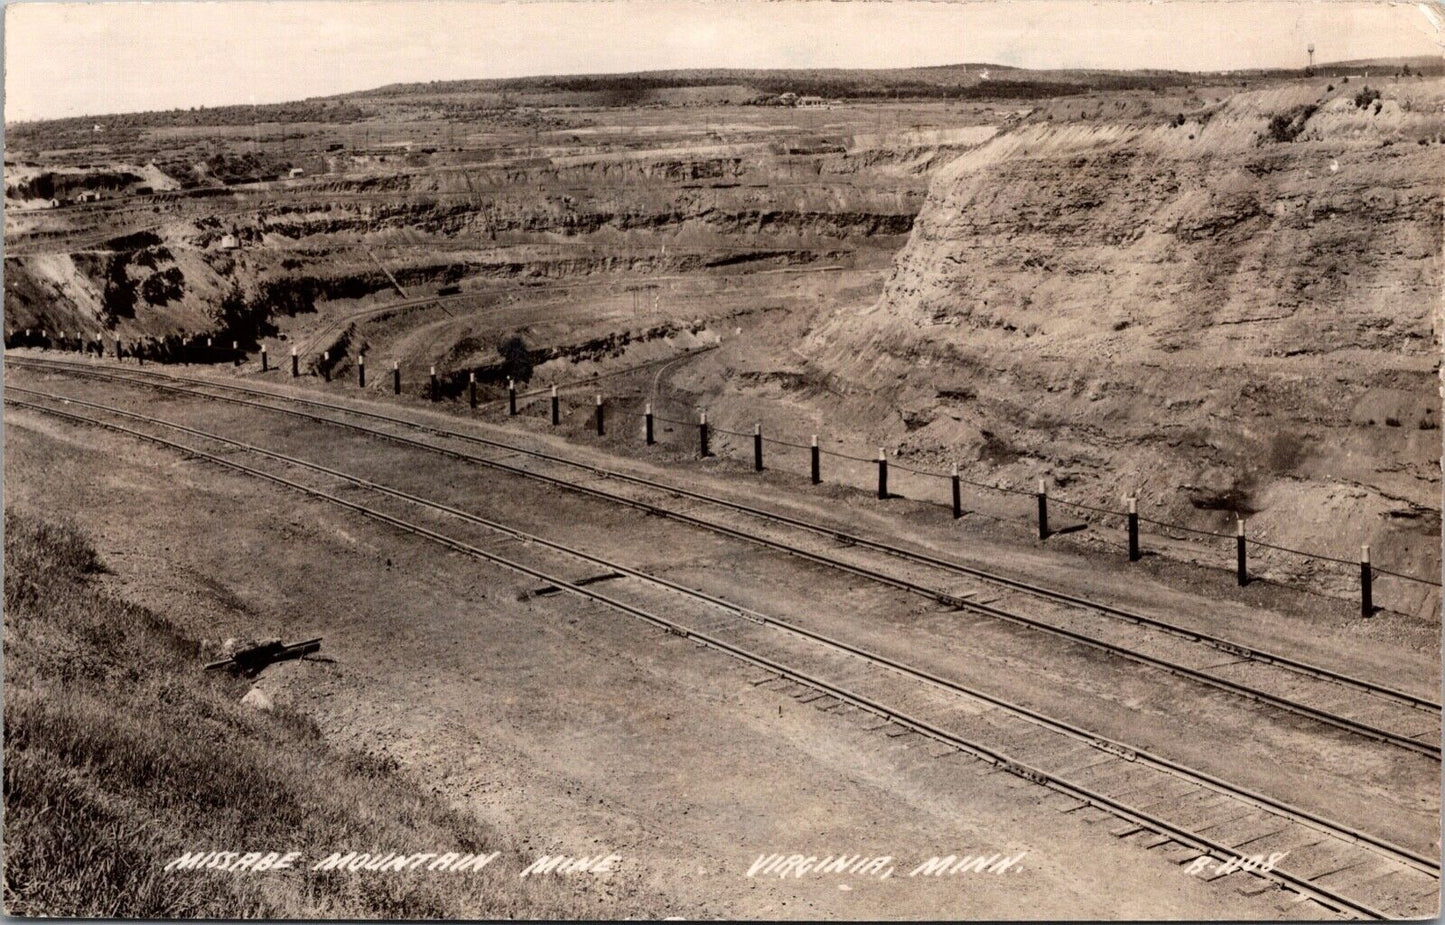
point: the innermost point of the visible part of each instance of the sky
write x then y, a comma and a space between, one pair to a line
68, 59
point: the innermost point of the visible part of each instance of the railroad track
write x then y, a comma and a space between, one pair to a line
1407, 721
314, 341
1157, 803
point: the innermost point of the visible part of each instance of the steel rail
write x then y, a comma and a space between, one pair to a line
1224, 645
1110, 746
1323, 716
1324, 895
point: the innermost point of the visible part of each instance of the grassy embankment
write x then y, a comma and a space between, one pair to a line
121, 754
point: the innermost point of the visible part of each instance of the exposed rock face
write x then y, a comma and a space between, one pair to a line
566, 216
1223, 320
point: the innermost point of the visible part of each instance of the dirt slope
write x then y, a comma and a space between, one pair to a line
1234, 310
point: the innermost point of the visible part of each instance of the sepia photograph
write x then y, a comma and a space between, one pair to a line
576, 460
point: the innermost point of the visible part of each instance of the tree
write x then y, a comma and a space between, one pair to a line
245, 321
118, 299
516, 359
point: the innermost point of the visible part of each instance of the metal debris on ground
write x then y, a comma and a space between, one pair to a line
250, 660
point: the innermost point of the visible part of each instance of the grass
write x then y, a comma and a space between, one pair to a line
120, 754
1288, 125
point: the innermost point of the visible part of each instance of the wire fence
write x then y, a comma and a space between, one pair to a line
1163, 527
1198, 532
42, 339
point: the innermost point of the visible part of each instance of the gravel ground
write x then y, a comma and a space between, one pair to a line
571, 698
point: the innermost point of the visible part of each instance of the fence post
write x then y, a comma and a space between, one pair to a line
265, 366
511, 397
600, 428
1043, 495
1133, 528
702, 435
1367, 598
647, 424
396, 377
957, 495
556, 408
295, 364
817, 462
235, 353
361, 371
435, 392
472, 389
757, 448
1242, 567
882, 475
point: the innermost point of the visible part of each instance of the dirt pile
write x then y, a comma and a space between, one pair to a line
1236, 309
34, 186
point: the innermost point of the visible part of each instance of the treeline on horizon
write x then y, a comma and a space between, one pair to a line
610, 91
939, 82
320, 110
949, 81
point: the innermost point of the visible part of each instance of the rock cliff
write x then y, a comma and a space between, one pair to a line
1236, 309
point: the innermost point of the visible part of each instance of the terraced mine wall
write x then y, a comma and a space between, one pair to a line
1234, 312
557, 217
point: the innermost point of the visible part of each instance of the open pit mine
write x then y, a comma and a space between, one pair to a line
1026, 483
